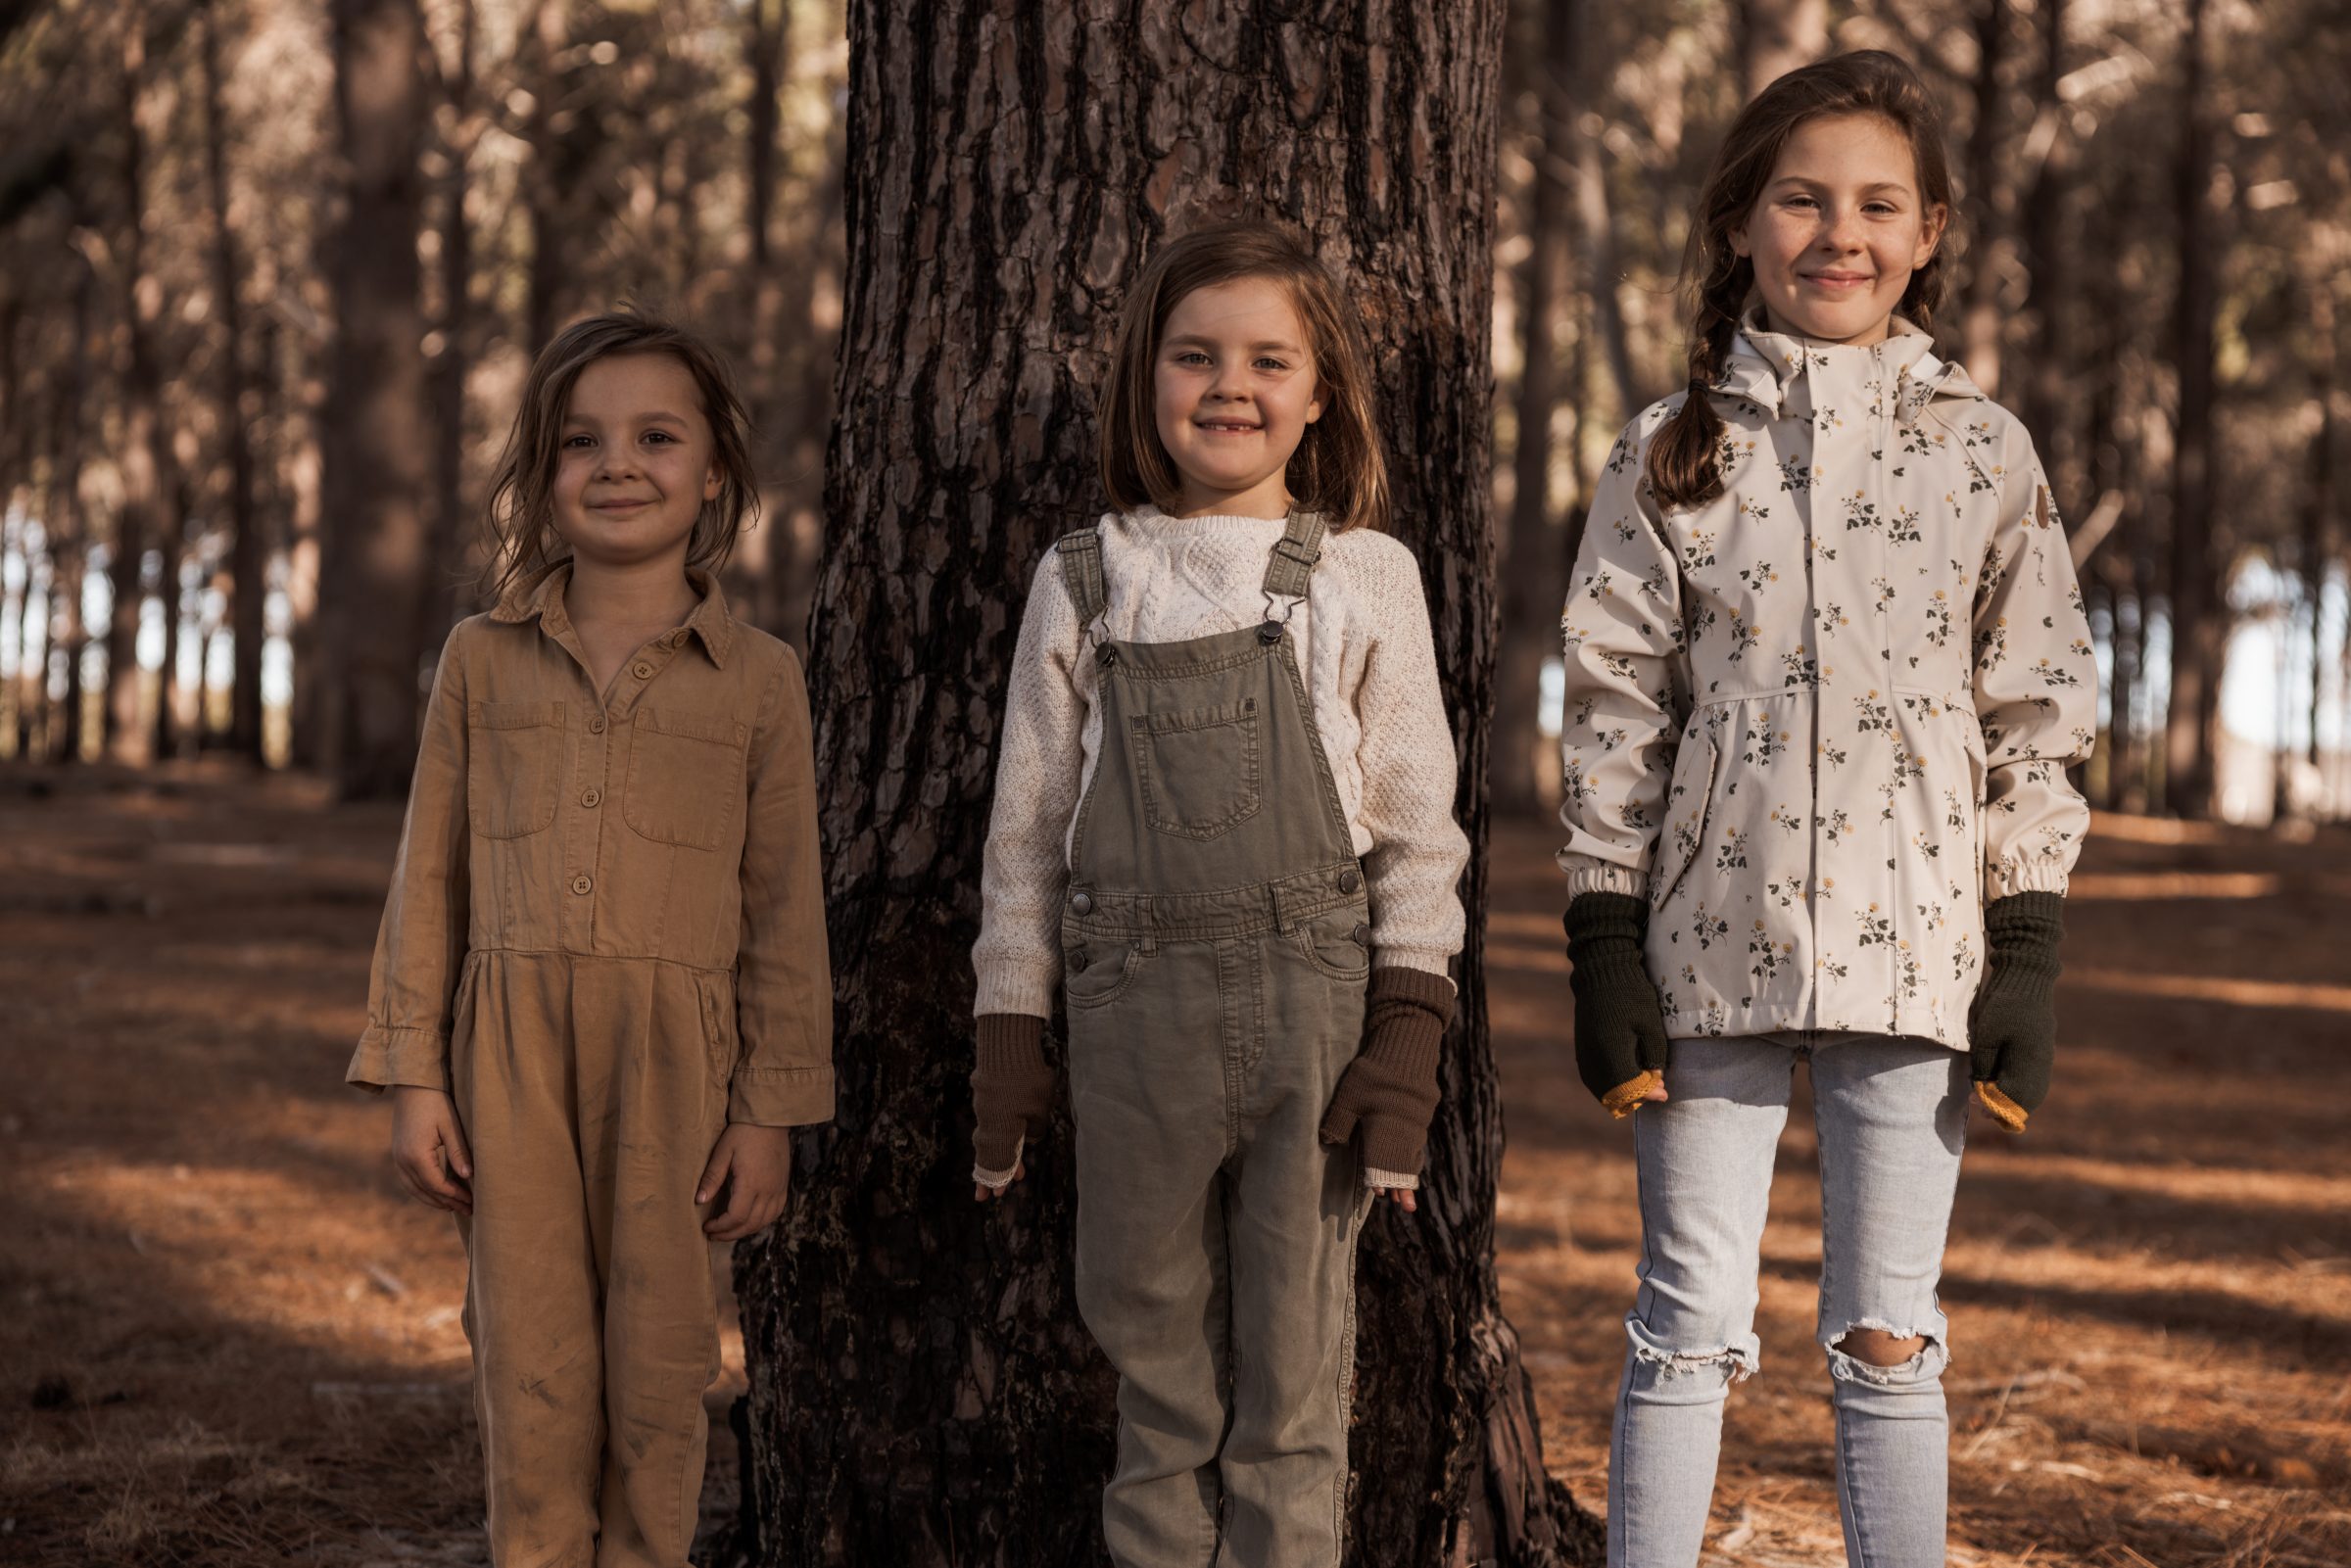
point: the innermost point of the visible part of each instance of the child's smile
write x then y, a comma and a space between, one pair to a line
1840, 230
635, 462
1234, 390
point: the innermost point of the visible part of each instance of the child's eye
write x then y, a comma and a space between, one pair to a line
1191, 357
1270, 363
1802, 201
659, 435
576, 441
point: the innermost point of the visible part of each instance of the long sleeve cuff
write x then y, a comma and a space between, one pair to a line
390, 1056
781, 1097
1014, 987
2045, 875
1602, 877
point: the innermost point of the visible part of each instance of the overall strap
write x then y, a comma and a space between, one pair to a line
1292, 562
1081, 573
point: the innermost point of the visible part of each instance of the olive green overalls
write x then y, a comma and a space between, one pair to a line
1216, 957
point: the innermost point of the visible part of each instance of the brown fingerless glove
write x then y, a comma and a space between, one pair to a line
1012, 1089
1389, 1091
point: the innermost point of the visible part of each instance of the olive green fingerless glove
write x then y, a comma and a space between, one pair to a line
2012, 1025
1620, 1027
1389, 1091
1012, 1092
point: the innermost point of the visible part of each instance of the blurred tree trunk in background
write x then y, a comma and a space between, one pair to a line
461, 120
68, 543
1984, 199
2049, 412
1534, 568
921, 1392
2199, 629
1775, 37
377, 441
2323, 498
146, 457
247, 553
552, 132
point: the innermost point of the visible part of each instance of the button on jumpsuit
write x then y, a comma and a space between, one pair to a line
1216, 958
606, 940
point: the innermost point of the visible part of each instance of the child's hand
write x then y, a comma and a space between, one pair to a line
428, 1149
1620, 1047
1402, 1197
754, 1165
984, 1192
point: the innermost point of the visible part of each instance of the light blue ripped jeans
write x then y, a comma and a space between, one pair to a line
1890, 1112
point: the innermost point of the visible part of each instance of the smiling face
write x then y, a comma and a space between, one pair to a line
634, 462
1839, 229
1233, 389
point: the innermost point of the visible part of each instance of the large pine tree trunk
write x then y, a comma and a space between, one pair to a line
921, 1392
377, 441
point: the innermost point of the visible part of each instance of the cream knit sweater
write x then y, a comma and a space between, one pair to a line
1370, 670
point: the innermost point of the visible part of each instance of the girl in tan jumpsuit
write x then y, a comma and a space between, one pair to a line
601, 993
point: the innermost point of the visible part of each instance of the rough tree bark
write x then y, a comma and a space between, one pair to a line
377, 446
921, 1392
2191, 723
248, 559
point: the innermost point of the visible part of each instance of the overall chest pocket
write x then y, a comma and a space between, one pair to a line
513, 766
1198, 770
684, 781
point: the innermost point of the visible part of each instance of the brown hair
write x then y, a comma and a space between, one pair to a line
523, 544
1681, 466
1339, 468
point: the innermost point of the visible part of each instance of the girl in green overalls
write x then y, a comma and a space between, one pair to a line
1224, 832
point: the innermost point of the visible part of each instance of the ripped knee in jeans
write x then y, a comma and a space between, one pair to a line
1734, 1364
1873, 1351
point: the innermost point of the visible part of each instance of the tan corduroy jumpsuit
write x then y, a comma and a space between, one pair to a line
606, 940
1216, 954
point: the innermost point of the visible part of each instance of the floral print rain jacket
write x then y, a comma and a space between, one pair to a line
1822, 719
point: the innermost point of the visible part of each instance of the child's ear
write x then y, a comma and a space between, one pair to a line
1930, 234
1313, 409
710, 485
1740, 244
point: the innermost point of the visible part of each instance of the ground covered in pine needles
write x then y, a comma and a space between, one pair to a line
225, 1338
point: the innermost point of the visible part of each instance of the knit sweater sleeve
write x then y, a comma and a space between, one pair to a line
1414, 865
1038, 765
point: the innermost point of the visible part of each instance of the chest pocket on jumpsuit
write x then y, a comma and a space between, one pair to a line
1199, 772
513, 766
685, 776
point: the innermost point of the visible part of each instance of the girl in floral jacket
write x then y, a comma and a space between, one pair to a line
1826, 668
